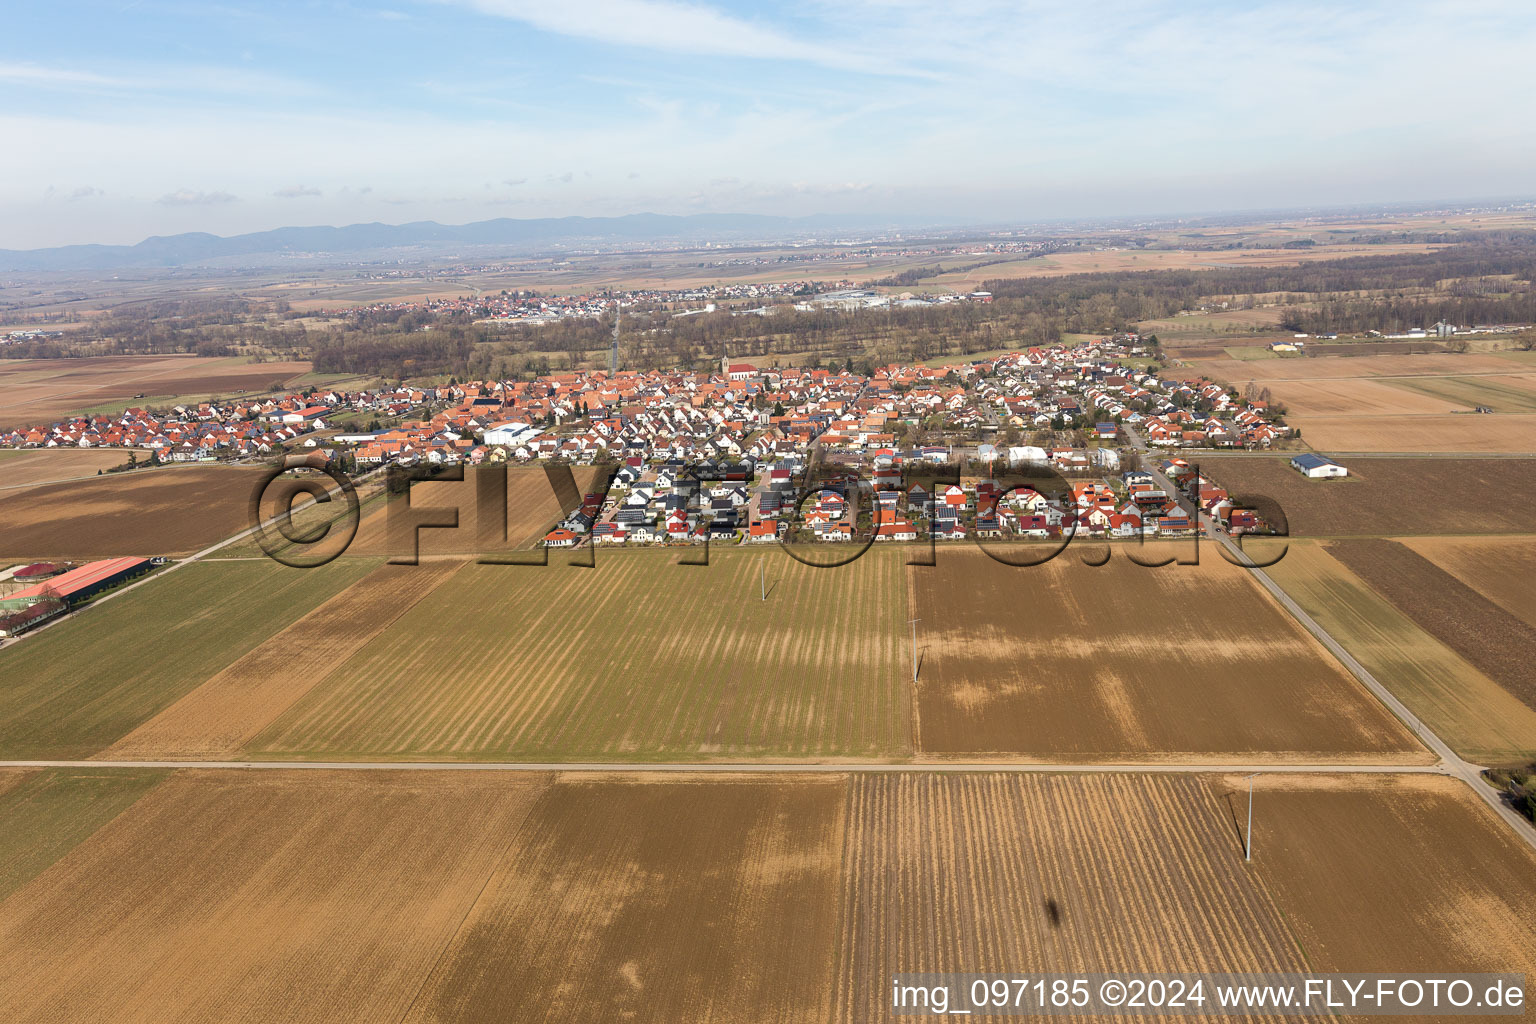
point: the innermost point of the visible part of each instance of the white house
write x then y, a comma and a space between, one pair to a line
1317, 467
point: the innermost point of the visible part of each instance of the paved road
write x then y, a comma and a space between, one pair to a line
1468, 772
773, 767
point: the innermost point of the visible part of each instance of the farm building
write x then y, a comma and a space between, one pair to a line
36, 571
90, 579
1317, 467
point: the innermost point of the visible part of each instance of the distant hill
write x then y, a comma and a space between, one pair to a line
264, 247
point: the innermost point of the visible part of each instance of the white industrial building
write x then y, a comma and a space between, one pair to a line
1317, 467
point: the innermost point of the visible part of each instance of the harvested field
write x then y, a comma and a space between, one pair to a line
532, 510
1502, 569
20, 470
1478, 718
229, 896
1456, 495
219, 717
1465, 432
46, 813
1354, 396
36, 392
1396, 403
1424, 364
705, 899
1111, 260
1127, 663
1499, 644
1392, 873
1044, 874
423, 896
77, 687
175, 511
637, 658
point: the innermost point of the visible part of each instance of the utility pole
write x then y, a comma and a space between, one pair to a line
913, 623
1248, 843
762, 578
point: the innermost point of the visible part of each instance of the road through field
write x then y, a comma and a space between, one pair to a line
767, 767
1469, 773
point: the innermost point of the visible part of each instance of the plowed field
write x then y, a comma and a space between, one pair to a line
1066, 661
173, 511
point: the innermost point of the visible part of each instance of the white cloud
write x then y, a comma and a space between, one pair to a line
159, 78
187, 197
33, 74
671, 26
297, 192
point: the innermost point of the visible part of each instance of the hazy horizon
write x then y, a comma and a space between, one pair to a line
156, 117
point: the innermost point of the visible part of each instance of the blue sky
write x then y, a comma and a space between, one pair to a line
141, 117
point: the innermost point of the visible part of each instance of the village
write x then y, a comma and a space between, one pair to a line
724, 456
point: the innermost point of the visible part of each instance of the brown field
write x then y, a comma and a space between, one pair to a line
703, 899
1103, 261
40, 391
1044, 874
1391, 873
1416, 403
21, 470
218, 718
1501, 569
176, 510
1433, 364
1390, 496
532, 510
13, 777
1128, 663
1498, 643
1457, 433
1352, 396
423, 896
261, 897
1480, 719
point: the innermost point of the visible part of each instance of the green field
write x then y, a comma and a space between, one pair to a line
639, 658
1477, 717
74, 689
1470, 391
45, 814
